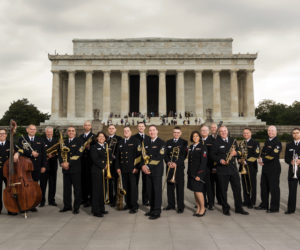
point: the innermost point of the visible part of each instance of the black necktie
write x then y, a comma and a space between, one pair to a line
125, 141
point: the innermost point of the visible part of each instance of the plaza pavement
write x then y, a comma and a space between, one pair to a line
49, 229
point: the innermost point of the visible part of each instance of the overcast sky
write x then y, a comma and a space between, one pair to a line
30, 29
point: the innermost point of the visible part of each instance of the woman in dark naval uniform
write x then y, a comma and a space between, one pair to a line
197, 161
99, 159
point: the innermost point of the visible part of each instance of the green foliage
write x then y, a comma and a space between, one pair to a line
262, 135
278, 113
23, 113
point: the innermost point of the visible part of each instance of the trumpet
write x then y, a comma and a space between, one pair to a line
63, 148
295, 166
107, 177
174, 156
229, 156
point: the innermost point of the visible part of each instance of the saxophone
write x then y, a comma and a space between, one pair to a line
121, 192
243, 171
63, 148
229, 156
144, 154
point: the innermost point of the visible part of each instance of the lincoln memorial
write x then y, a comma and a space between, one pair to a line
157, 76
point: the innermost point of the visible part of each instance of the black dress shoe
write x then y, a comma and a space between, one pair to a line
33, 209
76, 211
272, 211
87, 204
250, 206
42, 204
180, 210
133, 211
227, 213
126, 207
98, 215
154, 216
289, 212
54, 204
211, 207
65, 210
243, 212
104, 212
260, 208
168, 208
146, 203
10, 213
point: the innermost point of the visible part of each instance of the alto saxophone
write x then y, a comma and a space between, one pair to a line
121, 192
63, 148
229, 156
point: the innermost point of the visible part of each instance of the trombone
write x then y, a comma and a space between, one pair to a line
174, 156
107, 177
295, 166
243, 171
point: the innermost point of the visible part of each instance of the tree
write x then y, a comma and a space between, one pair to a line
278, 113
23, 113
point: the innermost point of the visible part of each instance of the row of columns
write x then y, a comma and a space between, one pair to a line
162, 102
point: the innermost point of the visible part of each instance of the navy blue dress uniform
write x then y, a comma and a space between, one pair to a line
197, 167
179, 175
72, 176
249, 179
270, 175
128, 157
99, 159
227, 173
212, 188
50, 175
4, 155
145, 198
291, 149
156, 151
113, 142
38, 162
86, 165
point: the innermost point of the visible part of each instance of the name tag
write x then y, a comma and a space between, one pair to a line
169, 146
222, 146
291, 149
121, 146
99, 148
73, 145
154, 146
197, 148
38, 143
146, 146
130, 144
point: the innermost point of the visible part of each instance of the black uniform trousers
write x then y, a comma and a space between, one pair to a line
154, 188
293, 183
72, 179
113, 185
2, 179
145, 196
235, 183
179, 186
36, 175
269, 184
129, 182
86, 182
97, 192
50, 177
249, 187
215, 189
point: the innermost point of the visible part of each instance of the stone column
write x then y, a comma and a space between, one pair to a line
198, 94
250, 94
71, 95
180, 106
162, 100
216, 94
89, 95
55, 95
234, 103
124, 93
106, 94
143, 92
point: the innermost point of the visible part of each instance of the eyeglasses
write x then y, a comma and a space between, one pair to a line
2, 133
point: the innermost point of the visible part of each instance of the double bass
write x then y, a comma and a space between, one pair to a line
21, 193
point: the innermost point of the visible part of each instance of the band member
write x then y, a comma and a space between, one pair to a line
215, 187
224, 153
71, 169
128, 158
176, 152
86, 164
142, 136
99, 159
33, 147
292, 157
50, 175
113, 141
197, 169
270, 174
210, 176
153, 167
248, 163
4, 155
